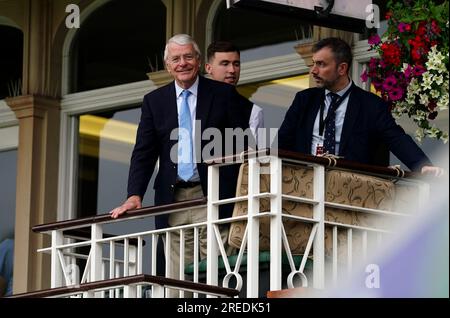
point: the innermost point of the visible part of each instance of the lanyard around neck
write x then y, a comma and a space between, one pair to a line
335, 105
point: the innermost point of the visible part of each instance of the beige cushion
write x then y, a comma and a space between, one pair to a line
341, 187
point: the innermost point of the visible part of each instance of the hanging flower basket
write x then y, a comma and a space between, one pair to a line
412, 70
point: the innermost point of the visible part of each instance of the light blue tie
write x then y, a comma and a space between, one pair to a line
185, 149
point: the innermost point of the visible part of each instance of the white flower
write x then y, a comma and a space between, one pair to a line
432, 132
435, 59
413, 85
424, 99
435, 93
442, 103
419, 115
427, 78
419, 135
438, 79
432, 85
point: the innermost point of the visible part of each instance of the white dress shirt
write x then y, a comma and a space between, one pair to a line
340, 116
255, 122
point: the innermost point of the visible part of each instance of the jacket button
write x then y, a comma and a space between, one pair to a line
172, 186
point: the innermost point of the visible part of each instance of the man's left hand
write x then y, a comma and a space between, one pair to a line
432, 170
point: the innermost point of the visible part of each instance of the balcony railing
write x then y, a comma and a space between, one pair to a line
287, 215
128, 286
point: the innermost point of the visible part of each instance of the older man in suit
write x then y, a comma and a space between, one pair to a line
341, 119
189, 98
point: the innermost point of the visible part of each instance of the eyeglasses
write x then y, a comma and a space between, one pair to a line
185, 57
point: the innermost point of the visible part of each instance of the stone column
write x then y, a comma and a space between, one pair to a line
180, 17
320, 33
304, 50
37, 160
36, 198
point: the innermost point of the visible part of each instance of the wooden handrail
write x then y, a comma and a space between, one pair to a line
337, 163
85, 233
107, 217
135, 279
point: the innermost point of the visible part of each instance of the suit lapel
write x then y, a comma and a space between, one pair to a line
171, 109
312, 111
204, 102
353, 108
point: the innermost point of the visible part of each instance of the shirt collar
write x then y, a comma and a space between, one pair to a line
193, 89
342, 91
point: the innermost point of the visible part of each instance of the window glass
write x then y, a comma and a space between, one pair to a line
119, 43
106, 141
8, 170
11, 61
259, 34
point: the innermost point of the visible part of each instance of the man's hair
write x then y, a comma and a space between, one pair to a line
341, 50
181, 39
220, 46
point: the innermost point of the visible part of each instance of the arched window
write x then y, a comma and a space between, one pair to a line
249, 29
11, 60
118, 43
11, 56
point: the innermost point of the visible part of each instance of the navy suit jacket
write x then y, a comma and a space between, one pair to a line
367, 123
218, 105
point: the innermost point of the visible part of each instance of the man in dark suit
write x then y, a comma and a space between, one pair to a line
193, 104
339, 118
223, 63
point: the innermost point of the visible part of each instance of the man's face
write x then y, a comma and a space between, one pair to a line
325, 71
183, 64
225, 67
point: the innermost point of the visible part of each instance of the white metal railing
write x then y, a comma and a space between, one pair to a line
114, 257
278, 236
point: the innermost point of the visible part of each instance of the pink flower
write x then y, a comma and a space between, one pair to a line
395, 94
418, 70
389, 83
404, 27
408, 72
374, 39
373, 63
364, 76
